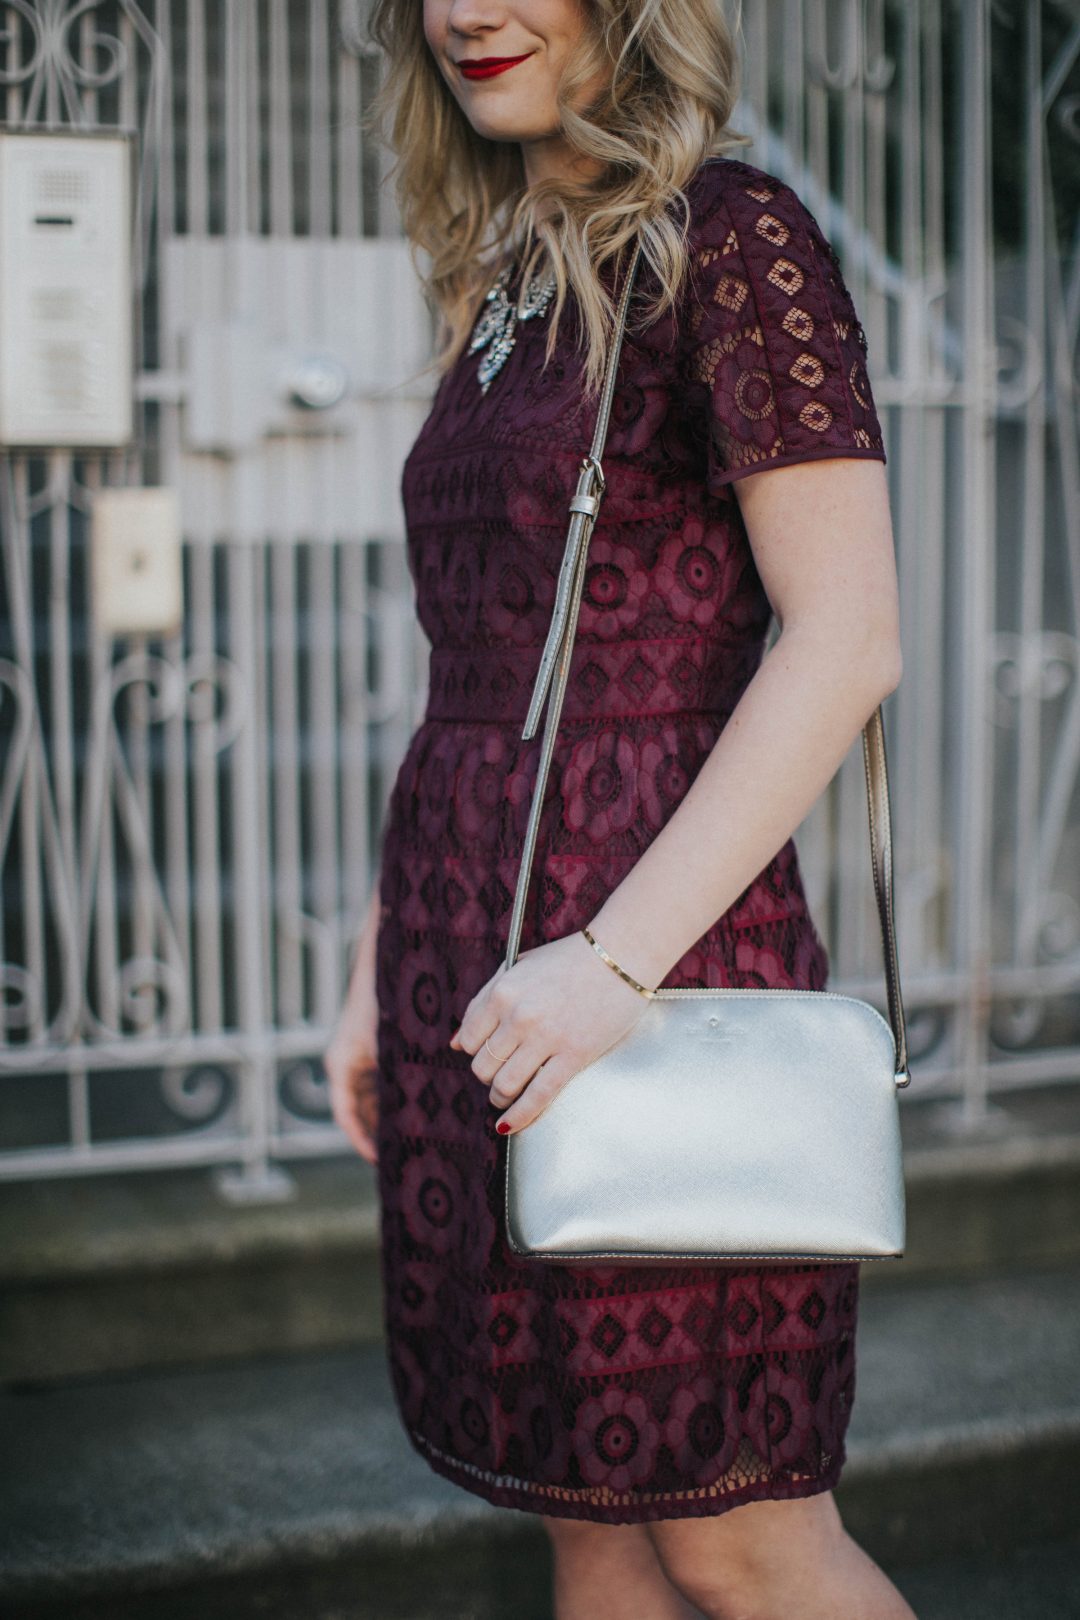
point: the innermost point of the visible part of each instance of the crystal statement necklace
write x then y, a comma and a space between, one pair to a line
496, 325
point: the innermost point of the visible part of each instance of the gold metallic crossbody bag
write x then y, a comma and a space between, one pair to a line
726, 1126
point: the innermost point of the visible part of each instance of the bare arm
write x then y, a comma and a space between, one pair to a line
822, 540
351, 1057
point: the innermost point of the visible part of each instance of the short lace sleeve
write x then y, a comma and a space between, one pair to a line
775, 359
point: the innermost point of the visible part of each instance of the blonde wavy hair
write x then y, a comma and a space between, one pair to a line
672, 79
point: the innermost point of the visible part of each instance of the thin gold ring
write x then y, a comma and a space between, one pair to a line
493, 1052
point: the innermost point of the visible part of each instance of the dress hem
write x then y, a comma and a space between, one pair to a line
854, 452
619, 1507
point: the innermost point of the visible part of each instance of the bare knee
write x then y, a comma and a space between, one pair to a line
713, 1580
730, 1565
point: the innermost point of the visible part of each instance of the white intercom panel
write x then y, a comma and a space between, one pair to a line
66, 338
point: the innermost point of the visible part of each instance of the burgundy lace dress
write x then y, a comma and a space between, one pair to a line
596, 1392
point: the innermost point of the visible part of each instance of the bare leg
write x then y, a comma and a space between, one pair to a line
610, 1572
783, 1560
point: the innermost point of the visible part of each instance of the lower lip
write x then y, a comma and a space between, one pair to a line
490, 72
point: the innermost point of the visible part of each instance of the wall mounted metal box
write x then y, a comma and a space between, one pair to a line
66, 345
135, 563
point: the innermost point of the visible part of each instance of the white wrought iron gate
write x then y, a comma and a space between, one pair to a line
189, 822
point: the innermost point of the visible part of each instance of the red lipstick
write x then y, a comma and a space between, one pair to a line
485, 67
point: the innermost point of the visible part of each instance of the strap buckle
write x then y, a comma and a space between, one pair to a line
589, 460
581, 500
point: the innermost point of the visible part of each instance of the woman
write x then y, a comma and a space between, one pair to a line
633, 1409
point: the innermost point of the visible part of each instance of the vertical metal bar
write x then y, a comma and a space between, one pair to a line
12, 63
252, 114
280, 132
387, 213
284, 717
1027, 897
876, 74
181, 882
1062, 287
25, 843
175, 776
816, 95
320, 196
244, 559
974, 756
358, 869
258, 945
207, 998
355, 744
238, 71
100, 918
806, 135
754, 98
63, 776
142, 878
323, 721
794, 85
197, 179
62, 739
920, 486
905, 428
349, 193
166, 178
28, 846
858, 937
257, 1176
324, 731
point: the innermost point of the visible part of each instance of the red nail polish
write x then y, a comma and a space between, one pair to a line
503, 1128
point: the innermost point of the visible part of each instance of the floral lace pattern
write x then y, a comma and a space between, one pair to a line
604, 1393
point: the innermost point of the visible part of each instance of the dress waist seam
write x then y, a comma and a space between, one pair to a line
714, 711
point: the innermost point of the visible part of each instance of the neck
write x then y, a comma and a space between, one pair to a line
553, 158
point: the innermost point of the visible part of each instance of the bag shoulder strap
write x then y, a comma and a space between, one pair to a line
555, 669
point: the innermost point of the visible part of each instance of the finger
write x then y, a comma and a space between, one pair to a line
366, 1110
478, 1020
482, 1027
362, 1139
367, 1150
542, 1089
494, 1054
354, 1106
512, 1078
365, 1145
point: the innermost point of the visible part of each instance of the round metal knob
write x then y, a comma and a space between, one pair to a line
318, 382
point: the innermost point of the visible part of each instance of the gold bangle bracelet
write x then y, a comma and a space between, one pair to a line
611, 962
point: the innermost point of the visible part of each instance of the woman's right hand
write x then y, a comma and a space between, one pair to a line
351, 1058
